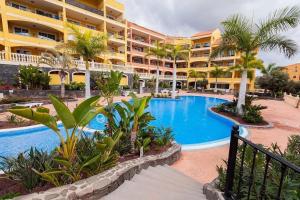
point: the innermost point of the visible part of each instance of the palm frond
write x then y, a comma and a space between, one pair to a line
281, 43
280, 20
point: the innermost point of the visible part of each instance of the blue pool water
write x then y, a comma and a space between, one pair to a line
189, 117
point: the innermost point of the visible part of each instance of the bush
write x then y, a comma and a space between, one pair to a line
14, 99
291, 182
75, 86
20, 168
164, 137
252, 115
32, 78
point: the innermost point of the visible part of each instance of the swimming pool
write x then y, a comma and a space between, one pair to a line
194, 126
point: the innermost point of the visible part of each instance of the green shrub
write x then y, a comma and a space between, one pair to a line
252, 115
20, 168
14, 119
75, 86
291, 182
164, 137
14, 99
32, 78
9, 196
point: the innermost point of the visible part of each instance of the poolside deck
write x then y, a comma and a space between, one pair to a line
201, 164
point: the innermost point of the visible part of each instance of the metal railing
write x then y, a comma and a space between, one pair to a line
234, 186
85, 7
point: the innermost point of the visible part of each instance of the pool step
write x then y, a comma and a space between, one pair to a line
159, 183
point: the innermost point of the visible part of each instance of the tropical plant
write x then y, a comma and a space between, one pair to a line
195, 74
244, 36
216, 73
109, 87
136, 81
89, 46
73, 122
164, 137
32, 78
10, 195
160, 52
61, 59
143, 144
176, 52
20, 168
267, 70
13, 119
135, 113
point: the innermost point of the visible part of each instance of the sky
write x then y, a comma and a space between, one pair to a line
187, 17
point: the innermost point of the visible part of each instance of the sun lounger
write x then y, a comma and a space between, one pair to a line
29, 105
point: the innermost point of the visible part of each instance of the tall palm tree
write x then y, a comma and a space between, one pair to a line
195, 74
159, 51
246, 37
267, 70
61, 59
176, 52
89, 46
217, 73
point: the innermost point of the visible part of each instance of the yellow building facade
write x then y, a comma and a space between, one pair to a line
29, 28
293, 71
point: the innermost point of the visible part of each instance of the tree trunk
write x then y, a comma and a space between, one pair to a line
195, 85
157, 80
174, 81
87, 80
62, 86
216, 86
242, 93
132, 141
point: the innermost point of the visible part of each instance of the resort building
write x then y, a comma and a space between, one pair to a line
29, 28
293, 71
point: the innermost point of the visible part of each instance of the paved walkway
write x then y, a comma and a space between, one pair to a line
201, 164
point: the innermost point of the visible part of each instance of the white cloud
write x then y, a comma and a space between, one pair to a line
186, 17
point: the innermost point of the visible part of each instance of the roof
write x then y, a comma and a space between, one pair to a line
203, 33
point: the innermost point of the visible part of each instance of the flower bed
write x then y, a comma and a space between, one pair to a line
102, 184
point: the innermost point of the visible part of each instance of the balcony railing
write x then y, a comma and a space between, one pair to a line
85, 7
53, 16
162, 77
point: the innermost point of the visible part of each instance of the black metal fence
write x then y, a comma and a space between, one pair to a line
238, 186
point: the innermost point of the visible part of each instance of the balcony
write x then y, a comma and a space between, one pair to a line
115, 37
229, 57
30, 40
85, 7
31, 16
115, 55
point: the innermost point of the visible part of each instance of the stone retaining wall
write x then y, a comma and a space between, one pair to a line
211, 192
292, 100
102, 184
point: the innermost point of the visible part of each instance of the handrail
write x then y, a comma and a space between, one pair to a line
85, 7
229, 192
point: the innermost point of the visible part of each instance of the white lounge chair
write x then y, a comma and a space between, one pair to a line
29, 105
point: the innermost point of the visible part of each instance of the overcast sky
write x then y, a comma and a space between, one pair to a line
187, 17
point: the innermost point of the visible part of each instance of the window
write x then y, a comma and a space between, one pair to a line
47, 14
22, 51
47, 36
197, 46
206, 44
21, 31
18, 6
231, 53
74, 22
91, 26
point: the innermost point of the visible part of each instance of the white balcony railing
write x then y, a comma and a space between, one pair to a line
24, 59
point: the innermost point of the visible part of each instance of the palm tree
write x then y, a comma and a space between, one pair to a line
217, 73
195, 74
89, 46
267, 70
246, 37
176, 52
159, 51
61, 59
